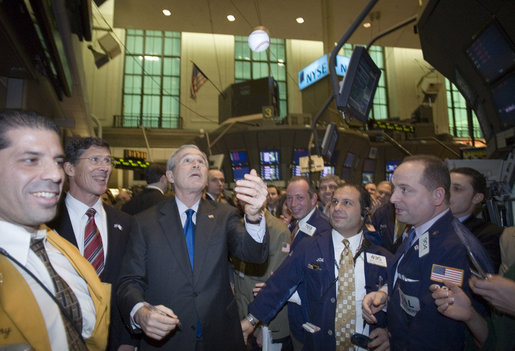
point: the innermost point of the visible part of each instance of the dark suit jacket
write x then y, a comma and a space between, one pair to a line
118, 228
321, 223
146, 198
488, 235
156, 269
318, 293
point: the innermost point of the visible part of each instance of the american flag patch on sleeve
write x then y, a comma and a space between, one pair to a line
441, 273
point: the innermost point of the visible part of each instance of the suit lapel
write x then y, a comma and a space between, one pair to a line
171, 227
205, 220
113, 240
64, 227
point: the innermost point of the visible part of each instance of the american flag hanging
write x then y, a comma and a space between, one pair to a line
197, 79
441, 273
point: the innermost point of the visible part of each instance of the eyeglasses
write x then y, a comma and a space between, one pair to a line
98, 160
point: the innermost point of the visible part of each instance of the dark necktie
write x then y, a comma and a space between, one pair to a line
189, 234
294, 231
93, 248
411, 238
66, 298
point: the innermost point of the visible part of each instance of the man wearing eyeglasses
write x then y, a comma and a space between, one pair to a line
99, 231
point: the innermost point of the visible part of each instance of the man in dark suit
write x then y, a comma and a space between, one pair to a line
176, 267
154, 193
468, 191
88, 165
301, 198
315, 263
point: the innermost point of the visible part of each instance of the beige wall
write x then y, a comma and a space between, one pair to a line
214, 55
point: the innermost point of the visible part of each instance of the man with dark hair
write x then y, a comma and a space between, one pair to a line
50, 296
468, 191
154, 193
436, 250
99, 231
332, 272
326, 188
272, 200
176, 267
215, 185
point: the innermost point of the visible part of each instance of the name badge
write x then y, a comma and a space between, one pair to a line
308, 229
378, 260
423, 245
410, 304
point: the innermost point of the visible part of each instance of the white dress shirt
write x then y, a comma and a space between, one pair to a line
355, 242
78, 218
16, 241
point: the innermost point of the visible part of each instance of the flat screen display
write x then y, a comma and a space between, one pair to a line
239, 172
269, 157
369, 165
391, 165
491, 53
349, 160
239, 158
270, 172
367, 177
328, 170
359, 85
298, 153
504, 100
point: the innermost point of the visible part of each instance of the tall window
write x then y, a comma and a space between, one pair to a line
457, 112
254, 65
151, 86
379, 108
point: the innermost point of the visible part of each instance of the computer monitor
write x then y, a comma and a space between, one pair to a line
239, 172
367, 177
349, 160
269, 157
271, 172
369, 165
491, 53
328, 170
239, 158
503, 95
359, 85
298, 153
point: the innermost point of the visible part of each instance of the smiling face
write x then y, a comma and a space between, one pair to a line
326, 191
298, 199
88, 181
32, 177
345, 211
189, 173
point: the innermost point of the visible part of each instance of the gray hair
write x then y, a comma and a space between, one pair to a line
171, 161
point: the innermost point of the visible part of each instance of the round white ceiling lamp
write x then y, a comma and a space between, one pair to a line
231, 18
259, 40
167, 12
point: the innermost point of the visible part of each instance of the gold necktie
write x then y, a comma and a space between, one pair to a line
345, 321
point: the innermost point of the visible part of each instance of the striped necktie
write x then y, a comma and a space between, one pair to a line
71, 313
93, 248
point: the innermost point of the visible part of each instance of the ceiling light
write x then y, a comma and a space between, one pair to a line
231, 18
367, 25
299, 20
259, 40
167, 12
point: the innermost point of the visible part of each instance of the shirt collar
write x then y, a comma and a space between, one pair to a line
182, 207
306, 218
79, 208
16, 240
425, 227
355, 241
155, 187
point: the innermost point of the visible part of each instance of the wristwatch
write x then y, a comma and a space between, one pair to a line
251, 320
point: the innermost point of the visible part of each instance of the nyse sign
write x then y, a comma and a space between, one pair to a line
320, 69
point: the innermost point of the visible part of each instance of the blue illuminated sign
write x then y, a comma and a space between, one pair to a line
320, 69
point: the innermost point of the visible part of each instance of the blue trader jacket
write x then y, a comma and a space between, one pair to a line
312, 263
413, 320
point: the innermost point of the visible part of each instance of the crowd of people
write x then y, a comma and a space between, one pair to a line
406, 264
